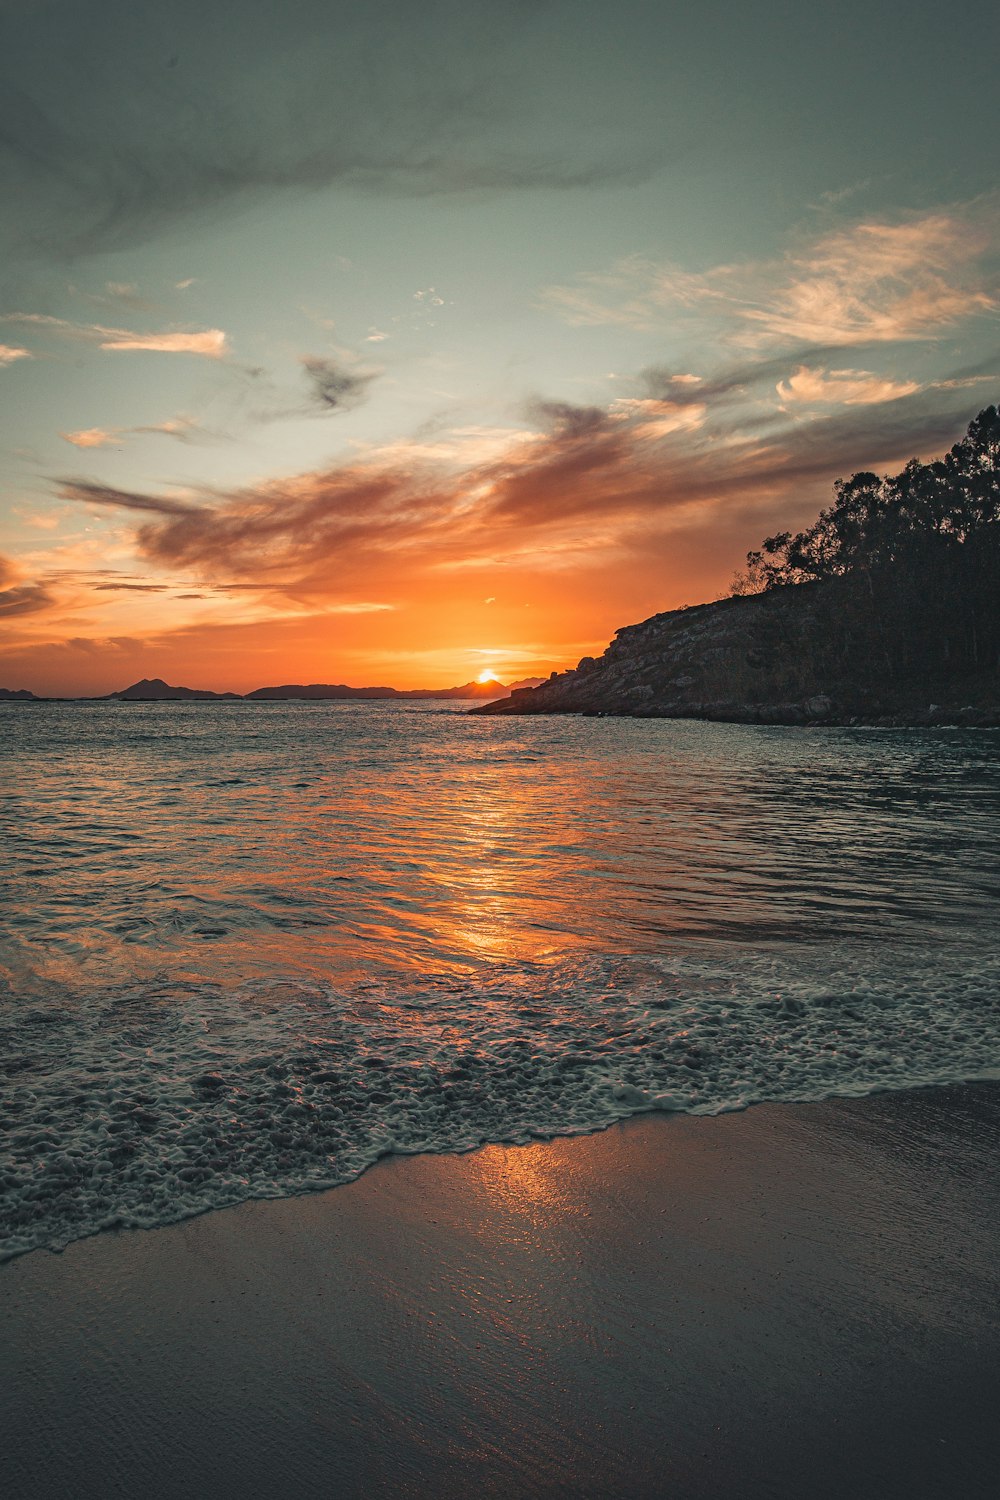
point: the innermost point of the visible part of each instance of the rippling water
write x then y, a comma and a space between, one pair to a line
248, 948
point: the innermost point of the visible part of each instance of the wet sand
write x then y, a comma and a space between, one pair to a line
797, 1301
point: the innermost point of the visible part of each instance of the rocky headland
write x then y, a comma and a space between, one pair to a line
886, 610
755, 659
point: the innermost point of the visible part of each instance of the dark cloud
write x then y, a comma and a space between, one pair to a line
334, 386
103, 494
99, 645
25, 599
18, 598
567, 420
131, 588
594, 480
142, 116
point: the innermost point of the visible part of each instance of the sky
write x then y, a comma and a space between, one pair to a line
392, 344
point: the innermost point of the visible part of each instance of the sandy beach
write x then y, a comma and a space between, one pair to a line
796, 1300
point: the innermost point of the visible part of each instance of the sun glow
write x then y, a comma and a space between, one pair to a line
487, 676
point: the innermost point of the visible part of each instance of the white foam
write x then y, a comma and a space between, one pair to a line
151, 1105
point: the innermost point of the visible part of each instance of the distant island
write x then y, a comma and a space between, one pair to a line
155, 690
885, 611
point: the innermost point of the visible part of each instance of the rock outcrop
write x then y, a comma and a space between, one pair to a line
754, 659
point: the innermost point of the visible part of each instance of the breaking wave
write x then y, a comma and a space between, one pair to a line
148, 1105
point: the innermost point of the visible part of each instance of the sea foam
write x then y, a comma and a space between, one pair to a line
151, 1104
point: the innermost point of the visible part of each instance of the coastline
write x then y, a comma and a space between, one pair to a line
798, 1299
792, 716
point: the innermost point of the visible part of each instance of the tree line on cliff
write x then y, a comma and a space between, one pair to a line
905, 569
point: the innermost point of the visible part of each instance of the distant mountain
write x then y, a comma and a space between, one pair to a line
155, 690
475, 690
324, 690
467, 690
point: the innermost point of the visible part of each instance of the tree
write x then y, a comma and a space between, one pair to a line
909, 564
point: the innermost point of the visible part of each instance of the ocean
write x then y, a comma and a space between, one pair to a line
246, 949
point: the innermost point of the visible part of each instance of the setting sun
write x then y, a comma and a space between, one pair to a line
487, 676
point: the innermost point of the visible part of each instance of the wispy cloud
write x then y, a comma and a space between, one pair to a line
18, 597
868, 283
11, 352
588, 483
92, 437
119, 294
208, 342
181, 429
878, 283
842, 387
657, 418
211, 342
334, 386
126, 587
106, 495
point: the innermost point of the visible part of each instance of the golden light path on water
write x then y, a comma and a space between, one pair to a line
247, 949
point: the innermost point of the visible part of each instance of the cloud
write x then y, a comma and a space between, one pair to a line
358, 607
657, 418
334, 386
92, 437
869, 283
181, 429
590, 484
568, 420
102, 494
844, 387
122, 293
126, 129
131, 588
877, 283
211, 342
207, 342
11, 352
731, 382
25, 599
20, 598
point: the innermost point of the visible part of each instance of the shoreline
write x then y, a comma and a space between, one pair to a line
793, 1299
759, 716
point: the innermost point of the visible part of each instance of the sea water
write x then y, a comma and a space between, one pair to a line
246, 949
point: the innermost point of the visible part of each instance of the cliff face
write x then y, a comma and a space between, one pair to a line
756, 659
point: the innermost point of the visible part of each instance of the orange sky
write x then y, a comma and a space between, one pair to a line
529, 335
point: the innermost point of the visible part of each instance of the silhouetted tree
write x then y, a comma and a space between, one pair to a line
909, 565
